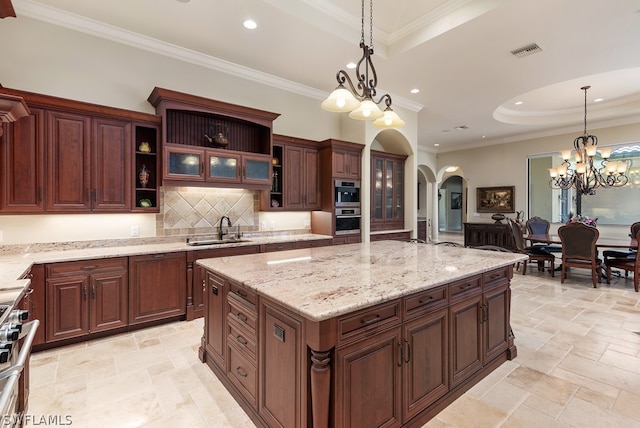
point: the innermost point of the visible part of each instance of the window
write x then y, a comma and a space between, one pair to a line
611, 206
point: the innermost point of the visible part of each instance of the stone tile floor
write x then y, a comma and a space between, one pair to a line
578, 365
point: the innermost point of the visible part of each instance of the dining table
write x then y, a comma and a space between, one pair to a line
602, 242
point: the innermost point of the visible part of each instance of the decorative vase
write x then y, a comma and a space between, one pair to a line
144, 147
143, 176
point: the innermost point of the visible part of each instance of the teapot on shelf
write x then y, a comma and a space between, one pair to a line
217, 139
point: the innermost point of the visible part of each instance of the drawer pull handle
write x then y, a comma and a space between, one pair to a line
241, 372
241, 293
241, 340
425, 301
88, 267
371, 320
466, 287
242, 317
158, 256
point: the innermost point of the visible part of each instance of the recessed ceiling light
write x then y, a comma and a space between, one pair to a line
598, 100
250, 24
184, 1
451, 168
351, 65
518, 103
436, 145
415, 90
461, 127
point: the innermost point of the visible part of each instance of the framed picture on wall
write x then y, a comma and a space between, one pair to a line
456, 200
495, 199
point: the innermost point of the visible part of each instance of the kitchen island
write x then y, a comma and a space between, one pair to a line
385, 333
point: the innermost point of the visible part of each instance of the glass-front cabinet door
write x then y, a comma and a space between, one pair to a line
256, 169
223, 167
387, 191
183, 163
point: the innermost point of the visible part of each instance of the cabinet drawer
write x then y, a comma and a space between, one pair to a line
368, 321
86, 266
496, 277
465, 286
278, 247
242, 340
242, 314
243, 374
246, 296
425, 301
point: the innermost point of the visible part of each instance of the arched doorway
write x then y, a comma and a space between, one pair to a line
451, 205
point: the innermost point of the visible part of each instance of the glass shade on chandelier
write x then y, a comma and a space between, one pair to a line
586, 176
359, 100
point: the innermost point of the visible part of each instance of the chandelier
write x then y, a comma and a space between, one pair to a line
586, 176
359, 99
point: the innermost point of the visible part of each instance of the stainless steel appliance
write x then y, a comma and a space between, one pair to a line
16, 338
347, 193
347, 221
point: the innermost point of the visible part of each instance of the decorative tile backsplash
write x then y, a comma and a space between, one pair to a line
194, 210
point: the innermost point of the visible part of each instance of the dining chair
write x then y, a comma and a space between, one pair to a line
630, 254
538, 254
540, 226
579, 250
627, 264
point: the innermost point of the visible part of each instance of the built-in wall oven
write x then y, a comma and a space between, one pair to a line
347, 193
347, 221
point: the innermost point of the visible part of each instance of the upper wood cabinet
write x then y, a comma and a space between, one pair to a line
296, 175
346, 164
213, 143
85, 152
22, 161
338, 159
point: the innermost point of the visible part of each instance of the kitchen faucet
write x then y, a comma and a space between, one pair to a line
221, 233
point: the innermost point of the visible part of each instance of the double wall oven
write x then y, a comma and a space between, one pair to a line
347, 203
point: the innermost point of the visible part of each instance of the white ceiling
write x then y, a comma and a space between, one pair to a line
457, 52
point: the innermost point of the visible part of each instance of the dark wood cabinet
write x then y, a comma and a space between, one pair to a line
158, 287
111, 163
295, 176
498, 234
280, 381
85, 297
216, 304
346, 164
387, 191
23, 163
71, 156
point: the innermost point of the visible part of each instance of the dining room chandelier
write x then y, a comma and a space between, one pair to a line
359, 100
586, 176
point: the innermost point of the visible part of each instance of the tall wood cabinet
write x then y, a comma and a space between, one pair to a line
71, 156
387, 191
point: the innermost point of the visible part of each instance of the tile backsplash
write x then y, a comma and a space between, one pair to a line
194, 210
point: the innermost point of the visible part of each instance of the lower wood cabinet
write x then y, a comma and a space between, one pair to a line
158, 286
34, 300
85, 297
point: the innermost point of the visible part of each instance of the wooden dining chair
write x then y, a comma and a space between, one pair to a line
579, 250
627, 264
630, 254
540, 226
535, 253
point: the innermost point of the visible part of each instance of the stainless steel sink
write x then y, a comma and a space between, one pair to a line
212, 241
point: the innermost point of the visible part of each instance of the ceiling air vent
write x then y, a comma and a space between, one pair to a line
526, 50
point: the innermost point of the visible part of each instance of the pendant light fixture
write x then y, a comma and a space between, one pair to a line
586, 176
359, 100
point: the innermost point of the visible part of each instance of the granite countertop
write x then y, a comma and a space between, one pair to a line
14, 266
324, 282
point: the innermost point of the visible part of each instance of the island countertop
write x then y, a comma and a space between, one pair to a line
321, 283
